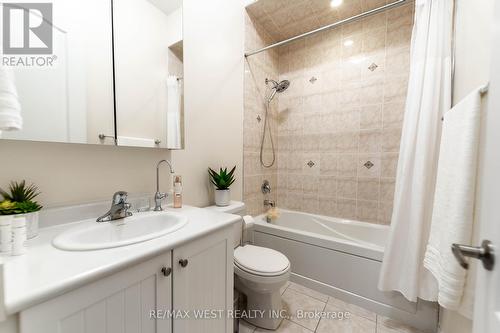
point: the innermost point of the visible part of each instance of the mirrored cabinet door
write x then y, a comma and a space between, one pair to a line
148, 72
65, 92
106, 72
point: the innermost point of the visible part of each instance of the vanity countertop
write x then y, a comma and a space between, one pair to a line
46, 272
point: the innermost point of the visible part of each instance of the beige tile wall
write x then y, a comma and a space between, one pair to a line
257, 69
344, 108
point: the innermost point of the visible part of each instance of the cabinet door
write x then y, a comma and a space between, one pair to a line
203, 280
121, 303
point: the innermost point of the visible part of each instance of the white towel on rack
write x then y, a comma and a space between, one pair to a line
174, 112
453, 212
128, 141
10, 109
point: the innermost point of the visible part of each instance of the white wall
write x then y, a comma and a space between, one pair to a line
213, 75
473, 45
174, 27
473, 51
72, 173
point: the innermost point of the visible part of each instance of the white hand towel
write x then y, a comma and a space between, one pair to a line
173, 113
10, 109
453, 212
128, 141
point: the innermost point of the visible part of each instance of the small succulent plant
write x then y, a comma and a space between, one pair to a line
20, 192
19, 199
222, 179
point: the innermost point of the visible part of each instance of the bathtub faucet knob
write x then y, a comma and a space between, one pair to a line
266, 187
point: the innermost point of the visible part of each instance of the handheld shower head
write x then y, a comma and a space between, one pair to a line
278, 87
282, 86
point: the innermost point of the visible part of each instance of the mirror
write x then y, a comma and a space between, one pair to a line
103, 72
63, 79
148, 72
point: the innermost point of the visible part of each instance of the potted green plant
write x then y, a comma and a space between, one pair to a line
222, 181
19, 200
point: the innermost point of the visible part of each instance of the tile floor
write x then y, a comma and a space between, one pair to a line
296, 296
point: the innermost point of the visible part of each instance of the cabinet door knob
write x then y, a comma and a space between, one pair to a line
183, 262
166, 271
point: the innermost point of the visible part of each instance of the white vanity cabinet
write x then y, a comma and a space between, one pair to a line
205, 283
118, 303
197, 275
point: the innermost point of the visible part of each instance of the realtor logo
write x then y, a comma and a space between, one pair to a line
27, 28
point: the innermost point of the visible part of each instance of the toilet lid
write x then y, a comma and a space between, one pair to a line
260, 260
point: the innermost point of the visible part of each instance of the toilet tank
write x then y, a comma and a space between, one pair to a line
236, 208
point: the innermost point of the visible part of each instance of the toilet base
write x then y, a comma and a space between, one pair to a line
267, 305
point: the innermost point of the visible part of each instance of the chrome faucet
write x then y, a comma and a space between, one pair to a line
159, 196
119, 208
269, 203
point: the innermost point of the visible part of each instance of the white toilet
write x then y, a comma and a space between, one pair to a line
259, 274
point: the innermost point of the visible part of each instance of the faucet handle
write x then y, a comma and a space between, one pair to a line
119, 208
161, 195
266, 187
120, 197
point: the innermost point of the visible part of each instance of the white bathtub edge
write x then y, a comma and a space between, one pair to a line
320, 240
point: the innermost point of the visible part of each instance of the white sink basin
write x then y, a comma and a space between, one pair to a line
138, 228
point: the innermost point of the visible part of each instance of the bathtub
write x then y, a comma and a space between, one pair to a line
341, 258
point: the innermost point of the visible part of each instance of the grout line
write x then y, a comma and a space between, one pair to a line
284, 290
323, 309
317, 325
297, 291
383, 106
296, 323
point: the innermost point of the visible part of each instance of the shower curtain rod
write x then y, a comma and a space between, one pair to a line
331, 26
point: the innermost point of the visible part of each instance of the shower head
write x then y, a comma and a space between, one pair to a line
282, 86
278, 87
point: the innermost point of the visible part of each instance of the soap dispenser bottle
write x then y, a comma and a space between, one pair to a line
177, 191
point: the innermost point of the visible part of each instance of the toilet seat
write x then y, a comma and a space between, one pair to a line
260, 261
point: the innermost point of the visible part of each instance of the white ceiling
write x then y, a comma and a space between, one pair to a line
167, 6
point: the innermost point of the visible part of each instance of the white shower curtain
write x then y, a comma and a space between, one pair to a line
429, 96
174, 136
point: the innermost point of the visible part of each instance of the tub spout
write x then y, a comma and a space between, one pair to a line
269, 203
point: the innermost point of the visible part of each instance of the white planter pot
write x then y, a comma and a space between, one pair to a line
31, 224
222, 197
